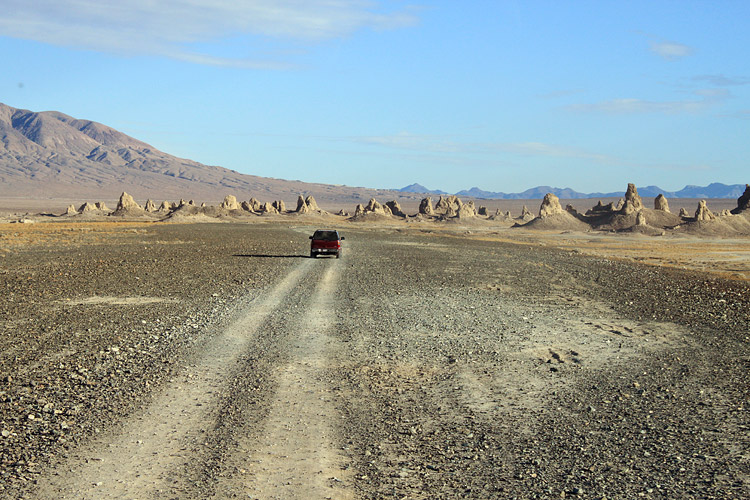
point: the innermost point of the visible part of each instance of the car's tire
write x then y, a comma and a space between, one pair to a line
338, 254
313, 255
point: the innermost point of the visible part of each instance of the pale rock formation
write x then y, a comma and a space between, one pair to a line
280, 206
640, 219
150, 206
571, 209
230, 203
268, 208
302, 207
703, 213
425, 206
100, 205
374, 207
526, 215
633, 202
599, 208
359, 210
246, 206
482, 210
255, 205
165, 206
619, 205
182, 203
87, 207
726, 213
203, 204
71, 210
343, 213
127, 203
684, 213
466, 210
661, 203
395, 208
550, 206
448, 205
312, 203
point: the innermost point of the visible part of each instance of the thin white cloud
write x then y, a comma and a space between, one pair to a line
671, 51
168, 27
634, 106
441, 145
722, 81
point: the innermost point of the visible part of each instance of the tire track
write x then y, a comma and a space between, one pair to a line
295, 453
137, 461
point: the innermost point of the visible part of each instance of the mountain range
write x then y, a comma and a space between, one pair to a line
50, 155
713, 190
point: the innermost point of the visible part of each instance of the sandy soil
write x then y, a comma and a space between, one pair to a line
147, 360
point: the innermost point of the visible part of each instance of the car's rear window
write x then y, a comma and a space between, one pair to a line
326, 235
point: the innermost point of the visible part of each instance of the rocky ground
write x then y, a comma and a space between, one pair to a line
217, 360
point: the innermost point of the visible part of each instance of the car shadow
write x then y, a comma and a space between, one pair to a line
270, 256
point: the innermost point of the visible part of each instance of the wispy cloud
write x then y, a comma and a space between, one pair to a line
707, 99
671, 51
666, 49
167, 27
442, 145
722, 81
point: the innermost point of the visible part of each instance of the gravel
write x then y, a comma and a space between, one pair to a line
471, 369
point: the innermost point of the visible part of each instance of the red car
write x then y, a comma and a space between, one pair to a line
325, 242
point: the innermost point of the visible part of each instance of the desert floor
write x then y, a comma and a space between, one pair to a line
157, 360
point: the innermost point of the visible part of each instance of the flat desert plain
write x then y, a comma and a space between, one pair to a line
217, 360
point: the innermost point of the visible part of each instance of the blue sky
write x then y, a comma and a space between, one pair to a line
503, 95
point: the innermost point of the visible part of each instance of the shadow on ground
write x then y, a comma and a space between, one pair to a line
271, 256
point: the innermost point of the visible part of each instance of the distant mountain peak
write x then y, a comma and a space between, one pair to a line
418, 188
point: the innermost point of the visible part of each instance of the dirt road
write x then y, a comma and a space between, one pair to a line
417, 366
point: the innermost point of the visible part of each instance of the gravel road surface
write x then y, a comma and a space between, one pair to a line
219, 361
